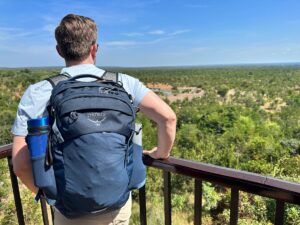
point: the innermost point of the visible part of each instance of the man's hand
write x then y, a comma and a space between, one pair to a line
155, 154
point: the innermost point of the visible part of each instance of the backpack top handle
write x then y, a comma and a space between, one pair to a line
86, 76
110, 78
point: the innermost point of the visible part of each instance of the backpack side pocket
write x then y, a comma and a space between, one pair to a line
136, 168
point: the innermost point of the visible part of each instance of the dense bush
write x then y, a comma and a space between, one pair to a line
255, 128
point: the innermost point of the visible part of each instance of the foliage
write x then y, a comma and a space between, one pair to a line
248, 118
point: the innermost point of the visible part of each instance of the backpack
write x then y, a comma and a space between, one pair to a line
95, 161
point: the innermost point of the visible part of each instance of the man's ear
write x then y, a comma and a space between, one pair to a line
94, 49
59, 51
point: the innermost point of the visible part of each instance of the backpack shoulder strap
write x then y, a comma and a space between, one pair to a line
111, 76
55, 79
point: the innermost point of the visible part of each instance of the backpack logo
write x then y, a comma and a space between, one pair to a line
104, 90
96, 117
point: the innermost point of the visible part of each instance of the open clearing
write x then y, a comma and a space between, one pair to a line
180, 93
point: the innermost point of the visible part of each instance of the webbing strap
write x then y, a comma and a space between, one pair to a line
55, 79
106, 76
110, 76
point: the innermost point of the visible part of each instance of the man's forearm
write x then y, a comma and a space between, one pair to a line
27, 179
153, 107
165, 137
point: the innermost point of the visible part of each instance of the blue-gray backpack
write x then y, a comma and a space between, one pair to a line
95, 162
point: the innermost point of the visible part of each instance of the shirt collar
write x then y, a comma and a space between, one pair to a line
82, 69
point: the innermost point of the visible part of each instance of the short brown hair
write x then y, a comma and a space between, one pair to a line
75, 35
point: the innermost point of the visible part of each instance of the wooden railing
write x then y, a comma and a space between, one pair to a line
281, 191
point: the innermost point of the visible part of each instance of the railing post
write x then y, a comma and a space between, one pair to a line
198, 202
142, 201
16, 192
279, 214
167, 198
44, 211
234, 206
52, 214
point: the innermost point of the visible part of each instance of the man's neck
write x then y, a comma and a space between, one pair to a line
76, 63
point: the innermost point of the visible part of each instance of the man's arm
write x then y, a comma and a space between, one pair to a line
21, 162
153, 107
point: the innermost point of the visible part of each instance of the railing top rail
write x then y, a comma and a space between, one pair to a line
5, 151
247, 181
250, 182
183, 166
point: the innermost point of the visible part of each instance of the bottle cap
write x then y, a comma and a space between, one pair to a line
40, 122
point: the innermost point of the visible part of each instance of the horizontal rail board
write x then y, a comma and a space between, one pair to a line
5, 151
245, 181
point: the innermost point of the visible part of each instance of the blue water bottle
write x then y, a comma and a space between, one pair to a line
37, 142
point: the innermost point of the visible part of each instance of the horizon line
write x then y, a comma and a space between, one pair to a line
168, 66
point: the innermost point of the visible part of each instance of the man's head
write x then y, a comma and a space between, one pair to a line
76, 37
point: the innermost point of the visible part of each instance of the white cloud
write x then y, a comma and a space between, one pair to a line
155, 41
126, 43
180, 32
199, 49
22, 55
157, 32
148, 40
49, 28
50, 23
104, 13
133, 34
120, 43
10, 33
38, 49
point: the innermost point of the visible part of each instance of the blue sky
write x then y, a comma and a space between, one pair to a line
156, 32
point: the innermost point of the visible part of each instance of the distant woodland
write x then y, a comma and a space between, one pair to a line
246, 118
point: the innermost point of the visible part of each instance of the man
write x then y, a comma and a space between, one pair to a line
76, 38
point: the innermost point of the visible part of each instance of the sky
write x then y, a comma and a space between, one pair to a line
145, 33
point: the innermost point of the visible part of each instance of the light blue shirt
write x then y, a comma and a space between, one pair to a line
36, 97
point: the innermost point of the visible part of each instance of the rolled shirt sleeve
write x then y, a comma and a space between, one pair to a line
32, 105
134, 87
